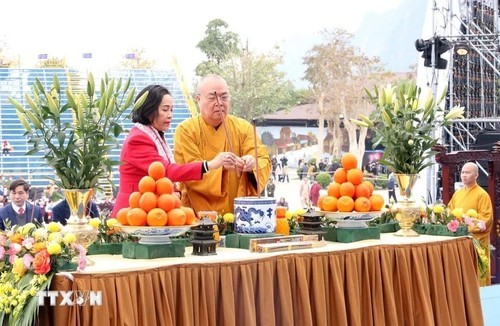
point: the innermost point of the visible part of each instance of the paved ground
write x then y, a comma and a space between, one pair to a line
290, 190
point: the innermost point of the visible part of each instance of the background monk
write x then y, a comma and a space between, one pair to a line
201, 137
472, 196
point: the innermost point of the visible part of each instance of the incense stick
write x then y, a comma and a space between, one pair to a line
256, 158
229, 143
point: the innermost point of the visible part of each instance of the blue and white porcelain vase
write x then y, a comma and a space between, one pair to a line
254, 215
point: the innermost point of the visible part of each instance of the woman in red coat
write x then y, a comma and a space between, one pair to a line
314, 193
146, 144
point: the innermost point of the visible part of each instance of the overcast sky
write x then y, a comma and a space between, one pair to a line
108, 28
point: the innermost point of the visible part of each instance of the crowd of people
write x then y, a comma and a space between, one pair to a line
49, 201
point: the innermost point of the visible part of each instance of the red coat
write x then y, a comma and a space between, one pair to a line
314, 193
138, 152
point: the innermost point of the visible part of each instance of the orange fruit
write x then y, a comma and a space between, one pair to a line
177, 201
156, 170
340, 175
190, 216
121, 216
362, 204
334, 189
347, 189
157, 217
176, 217
362, 190
330, 203
320, 202
345, 204
133, 199
148, 201
369, 184
166, 202
349, 161
377, 202
355, 176
146, 184
164, 186
137, 217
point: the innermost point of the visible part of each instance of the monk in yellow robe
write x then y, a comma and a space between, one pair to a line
202, 137
472, 196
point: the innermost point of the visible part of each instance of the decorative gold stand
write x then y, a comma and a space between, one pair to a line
407, 209
77, 223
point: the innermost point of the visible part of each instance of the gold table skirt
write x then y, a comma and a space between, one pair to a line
420, 283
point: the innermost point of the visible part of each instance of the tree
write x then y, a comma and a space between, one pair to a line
218, 45
338, 74
257, 86
137, 59
327, 67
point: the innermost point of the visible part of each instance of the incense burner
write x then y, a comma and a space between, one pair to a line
255, 215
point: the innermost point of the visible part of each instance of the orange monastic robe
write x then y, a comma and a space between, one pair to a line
478, 199
195, 140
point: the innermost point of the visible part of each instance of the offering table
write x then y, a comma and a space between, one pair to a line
427, 280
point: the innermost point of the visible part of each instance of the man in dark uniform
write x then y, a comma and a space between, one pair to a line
19, 211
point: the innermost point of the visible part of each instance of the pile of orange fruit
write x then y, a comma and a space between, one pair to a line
154, 204
349, 192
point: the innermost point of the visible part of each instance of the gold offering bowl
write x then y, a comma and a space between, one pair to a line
407, 212
77, 223
85, 233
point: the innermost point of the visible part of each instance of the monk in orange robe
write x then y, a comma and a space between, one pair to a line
472, 196
203, 136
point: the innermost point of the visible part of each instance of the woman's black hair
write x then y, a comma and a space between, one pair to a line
147, 112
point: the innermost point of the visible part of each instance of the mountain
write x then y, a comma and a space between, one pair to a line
391, 35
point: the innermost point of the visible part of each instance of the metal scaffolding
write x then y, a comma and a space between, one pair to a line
473, 78
470, 78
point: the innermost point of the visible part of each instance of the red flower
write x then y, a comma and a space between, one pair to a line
41, 263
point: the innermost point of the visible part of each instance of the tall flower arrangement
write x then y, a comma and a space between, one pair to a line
78, 149
30, 255
405, 121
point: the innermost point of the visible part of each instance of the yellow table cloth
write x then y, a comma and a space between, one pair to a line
429, 280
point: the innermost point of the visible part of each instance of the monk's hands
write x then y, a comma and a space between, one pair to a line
232, 162
242, 164
248, 163
225, 159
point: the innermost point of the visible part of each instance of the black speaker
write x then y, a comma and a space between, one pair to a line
485, 140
